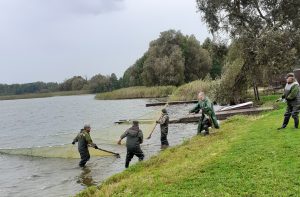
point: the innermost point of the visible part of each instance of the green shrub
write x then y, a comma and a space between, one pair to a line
137, 92
190, 90
228, 91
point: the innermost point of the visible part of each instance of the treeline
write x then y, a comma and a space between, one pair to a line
37, 87
98, 83
172, 59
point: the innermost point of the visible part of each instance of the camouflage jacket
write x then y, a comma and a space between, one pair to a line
84, 139
292, 94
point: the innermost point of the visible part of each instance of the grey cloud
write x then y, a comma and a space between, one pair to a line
93, 7
97, 7
51, 40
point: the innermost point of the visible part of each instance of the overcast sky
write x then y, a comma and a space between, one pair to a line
52, 40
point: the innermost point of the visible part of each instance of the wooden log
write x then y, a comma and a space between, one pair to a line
170, 103
222, 115
143, 121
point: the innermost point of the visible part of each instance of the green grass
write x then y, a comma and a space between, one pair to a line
246, 157
137, 92
190, 90
43, 95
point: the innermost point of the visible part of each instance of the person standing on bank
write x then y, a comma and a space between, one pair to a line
292, 96
133, 143
208, 117
84, 140
164, 124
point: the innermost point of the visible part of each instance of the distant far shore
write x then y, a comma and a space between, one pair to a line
43, 95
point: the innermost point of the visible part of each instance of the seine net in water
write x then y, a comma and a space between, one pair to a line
63, 151
105, 136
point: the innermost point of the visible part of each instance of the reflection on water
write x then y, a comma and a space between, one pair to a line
85, 178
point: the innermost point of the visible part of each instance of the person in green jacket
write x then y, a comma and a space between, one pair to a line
208, 117
134, 137
292, 96
84, 140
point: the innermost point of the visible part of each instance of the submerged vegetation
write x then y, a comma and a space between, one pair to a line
137, 92
246, 157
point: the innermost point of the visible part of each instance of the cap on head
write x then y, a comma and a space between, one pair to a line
86, 126
135, 123
164, 110
290, 75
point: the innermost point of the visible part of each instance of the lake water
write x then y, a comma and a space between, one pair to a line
54, 121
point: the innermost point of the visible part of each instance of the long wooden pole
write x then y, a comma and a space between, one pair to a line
166, 105
116, 154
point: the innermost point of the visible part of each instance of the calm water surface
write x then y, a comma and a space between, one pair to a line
55, 121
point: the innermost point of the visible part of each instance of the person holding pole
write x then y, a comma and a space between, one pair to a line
164, 124
84, 140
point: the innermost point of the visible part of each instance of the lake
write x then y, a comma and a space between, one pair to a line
46, 122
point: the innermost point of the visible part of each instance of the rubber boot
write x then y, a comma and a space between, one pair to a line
164, 146
127, 164
285, 122
296, 119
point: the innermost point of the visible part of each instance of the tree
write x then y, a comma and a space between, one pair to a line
197, 60
164, 69
251, 23
114, 82
99, 83
74, 83
172, 59
218, 52
78, 83
229, 91
133, 75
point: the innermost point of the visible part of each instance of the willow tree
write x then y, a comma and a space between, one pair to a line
268, 31
172, 59
218, 52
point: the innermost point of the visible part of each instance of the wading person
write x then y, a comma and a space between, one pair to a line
134, 137
164, 124
208, 117
84, 141
292, 96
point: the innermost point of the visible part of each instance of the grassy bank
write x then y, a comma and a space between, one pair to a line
190, 90
43, 95
137, 92
185, 92
246, 157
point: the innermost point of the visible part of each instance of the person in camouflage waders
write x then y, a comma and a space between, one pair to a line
208, 117
164, 124
84, 140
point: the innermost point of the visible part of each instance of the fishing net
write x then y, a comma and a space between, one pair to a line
62, 151
107, 136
